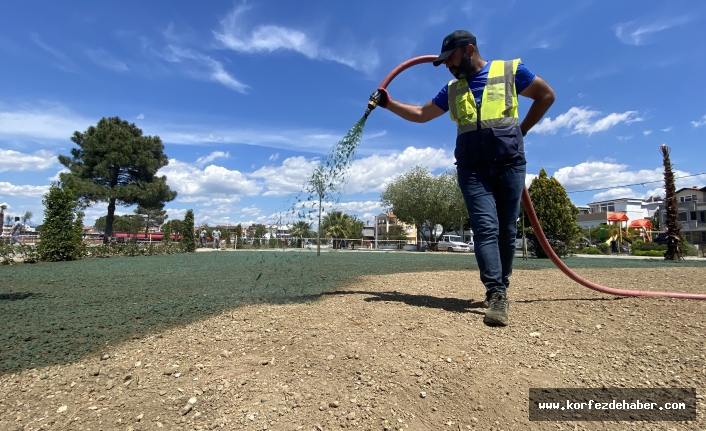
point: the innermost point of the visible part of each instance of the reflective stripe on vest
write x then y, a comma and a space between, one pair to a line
499, 100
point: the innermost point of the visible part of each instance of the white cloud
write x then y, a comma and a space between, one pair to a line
49, 121
213, 182
647, 132
62, 61
11, 160
374, 173
21, 191
624, 138
621, 192
622, 182
368, 174
211, 157
700, 122
583, 121
202, 67
274, 157
635, 33
103, 58
270, 38
287, 178
667, 129
141, 117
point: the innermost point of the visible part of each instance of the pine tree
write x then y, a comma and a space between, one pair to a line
188, 240
61, 237
556, 214
114, 163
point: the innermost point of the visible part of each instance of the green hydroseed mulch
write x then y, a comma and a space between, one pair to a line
55, 313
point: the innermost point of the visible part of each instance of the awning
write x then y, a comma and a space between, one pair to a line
637, 224
617, 216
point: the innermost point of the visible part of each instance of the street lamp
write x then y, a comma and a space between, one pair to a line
376, 232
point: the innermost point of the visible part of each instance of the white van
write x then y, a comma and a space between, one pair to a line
452, 243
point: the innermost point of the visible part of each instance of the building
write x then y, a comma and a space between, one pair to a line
388, 224
691, 207
596, 213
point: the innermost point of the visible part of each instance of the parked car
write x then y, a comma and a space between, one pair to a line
452, 243
471, 245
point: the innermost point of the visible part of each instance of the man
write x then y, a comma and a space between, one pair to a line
216, 239
490, 156
16, 230
202, 237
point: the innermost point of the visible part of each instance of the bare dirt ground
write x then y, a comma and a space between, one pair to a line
396, 352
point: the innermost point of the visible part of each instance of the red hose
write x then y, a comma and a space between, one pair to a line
535, 221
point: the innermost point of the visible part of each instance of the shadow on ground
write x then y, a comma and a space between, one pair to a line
56, 313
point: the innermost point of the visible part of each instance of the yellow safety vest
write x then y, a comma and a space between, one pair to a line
498, 103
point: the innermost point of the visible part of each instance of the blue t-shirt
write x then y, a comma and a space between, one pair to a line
523, 78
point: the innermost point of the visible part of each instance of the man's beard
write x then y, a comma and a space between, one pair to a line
464, 69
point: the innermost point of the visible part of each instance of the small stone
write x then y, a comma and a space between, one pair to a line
140, 417
62, 409
109, 385
225, 353
423, 394
95, 371
535, 334
105, 357
168, 371
333, 404
160, 424
448, 360
351, 416
474, 419
162, 393
138, 364
177, 374
197, 415
186, 409
192, 400
599, 326
331, 357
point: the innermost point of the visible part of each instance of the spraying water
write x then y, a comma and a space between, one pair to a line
329, 176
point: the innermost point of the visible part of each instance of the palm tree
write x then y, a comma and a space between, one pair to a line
2, 216
336, 224
673, 226
299, 230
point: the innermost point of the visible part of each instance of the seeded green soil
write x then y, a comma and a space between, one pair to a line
363, 340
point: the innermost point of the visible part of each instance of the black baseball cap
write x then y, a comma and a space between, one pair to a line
455, 40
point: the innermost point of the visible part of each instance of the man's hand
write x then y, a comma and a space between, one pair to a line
381, 97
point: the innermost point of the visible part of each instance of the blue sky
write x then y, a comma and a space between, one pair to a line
248, 97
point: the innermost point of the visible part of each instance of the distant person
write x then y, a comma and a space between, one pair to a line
614, 246
202, 237
216, 238
16, 230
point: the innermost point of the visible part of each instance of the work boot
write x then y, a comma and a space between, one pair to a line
497, 310
486, 303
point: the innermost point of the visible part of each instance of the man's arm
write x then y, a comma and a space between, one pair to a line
414, 113
543, 97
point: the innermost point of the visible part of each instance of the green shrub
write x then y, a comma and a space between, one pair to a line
650, 253
61, 237
603, 247
188, 240
589, 250
648, 246
7, 254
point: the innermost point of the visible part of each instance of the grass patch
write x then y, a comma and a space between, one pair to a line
54, 313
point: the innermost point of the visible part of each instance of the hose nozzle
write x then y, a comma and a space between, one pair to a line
373, 102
